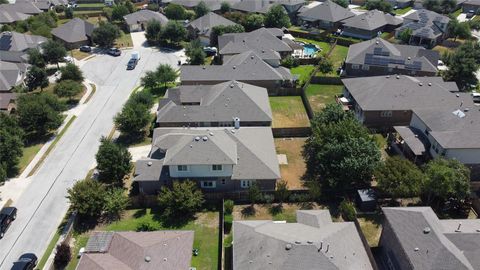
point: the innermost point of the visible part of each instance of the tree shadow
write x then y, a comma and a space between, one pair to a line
175, 220
131, 139
248, 211
85, 224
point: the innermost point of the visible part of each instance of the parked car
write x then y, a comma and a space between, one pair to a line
7, 215
114, 52
27, 261
68, 59
85, 49
210, 51
470, 14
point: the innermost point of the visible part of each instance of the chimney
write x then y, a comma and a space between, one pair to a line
236, 121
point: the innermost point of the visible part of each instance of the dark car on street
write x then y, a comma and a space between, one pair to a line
27, 261
85, 49
132, 63
7, 215
114, 52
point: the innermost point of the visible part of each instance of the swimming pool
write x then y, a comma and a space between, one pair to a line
309, 49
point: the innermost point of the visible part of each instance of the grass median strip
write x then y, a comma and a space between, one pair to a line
48, 251
50, 148
94, 89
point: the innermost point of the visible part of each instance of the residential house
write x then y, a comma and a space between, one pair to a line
7, 101
138, 250
217, 159
74, 34
137, 21
265, 42
313, 242
414, 238
428, 28
326, 15
380, 57
14, 46
213, 5
369, 24
382, 102
263, 6
471, 5
246, 67
201, 28
215, 106
18, 11
11, 75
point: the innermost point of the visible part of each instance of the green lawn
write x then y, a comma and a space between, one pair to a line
319, 95
125, 40
338, 55
324, 45
288, 111
402, 10
304, 72
80, 241
98, 5
457, 13
29, 153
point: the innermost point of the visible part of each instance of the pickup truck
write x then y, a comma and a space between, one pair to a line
7, 215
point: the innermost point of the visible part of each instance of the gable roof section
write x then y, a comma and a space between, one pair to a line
145, 15
436, 250
327, 11
425, 23
10, 74
379, 52
371, 20
17, 42
74, 31
204, 24
217, 103
245, 67
9, 15
264, 244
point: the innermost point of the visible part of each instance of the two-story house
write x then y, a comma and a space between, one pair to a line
369, 24
327, 15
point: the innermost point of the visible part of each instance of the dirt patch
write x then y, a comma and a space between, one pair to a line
295, 169
209, 219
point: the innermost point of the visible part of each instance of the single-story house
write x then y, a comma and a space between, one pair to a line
415, 238
137, 250
428, 28
381, 102
314, 241
246, 67
265, 42
263, 6
137, 21
217, 159
215, 106
213, 5
379, 57
202, 27
327, 15
10, 13
7, 102
471, 5
11, 75
369, 24
14, 46
74, 34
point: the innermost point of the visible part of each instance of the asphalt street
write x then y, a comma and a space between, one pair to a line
43, 204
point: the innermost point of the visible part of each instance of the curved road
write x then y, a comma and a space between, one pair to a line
43, 205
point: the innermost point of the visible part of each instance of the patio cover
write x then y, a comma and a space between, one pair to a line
413, 138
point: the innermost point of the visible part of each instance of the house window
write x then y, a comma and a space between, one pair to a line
182, 168
386, 114
355, 66
365, 67
390, 69
246, 183
208, 184
223, 181
217, 167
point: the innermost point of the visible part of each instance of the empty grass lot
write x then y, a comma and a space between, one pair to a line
288, 111
319, 95
292, 172
304, 72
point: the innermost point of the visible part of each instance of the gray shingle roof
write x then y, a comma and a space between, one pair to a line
425, 23
141, 251
17, 42
327, 11
438, 248
262, 41
10, 74
381, 93
217, 103
6, 99
25, 7
245, 67
372, 20
74, 31
325, 245
8, 15
379, 52
213, 5
262, 6
204, 24
145, 15
250, 149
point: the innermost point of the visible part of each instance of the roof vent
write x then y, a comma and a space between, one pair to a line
466, 109
376, 42
204, 67
409, 58
426, 230
309, 242
232, 85
205, 138
420, 84
429, 84
251, 57
457, 95
478, 230
288, 246
398, 77
388, 76
148, 259
211, 133
234, 67
298, 242
197, 139
149, 163
164, 259
416, 249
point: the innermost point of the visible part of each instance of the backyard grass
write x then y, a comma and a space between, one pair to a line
96, 19
288, 111
371, 227
29, 153
92, 5
125, 40
304, 72
292, 172
324, 45
457, 13
338, 55
205, 227
402, 11
319, 95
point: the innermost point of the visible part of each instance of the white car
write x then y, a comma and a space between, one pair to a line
68, 59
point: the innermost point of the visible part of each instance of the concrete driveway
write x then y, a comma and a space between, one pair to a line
43, 204
138, 39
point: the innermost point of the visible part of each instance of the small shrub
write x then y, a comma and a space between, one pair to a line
268, 198
147, 226
295, 197
228, 207
63, 254
347, 210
